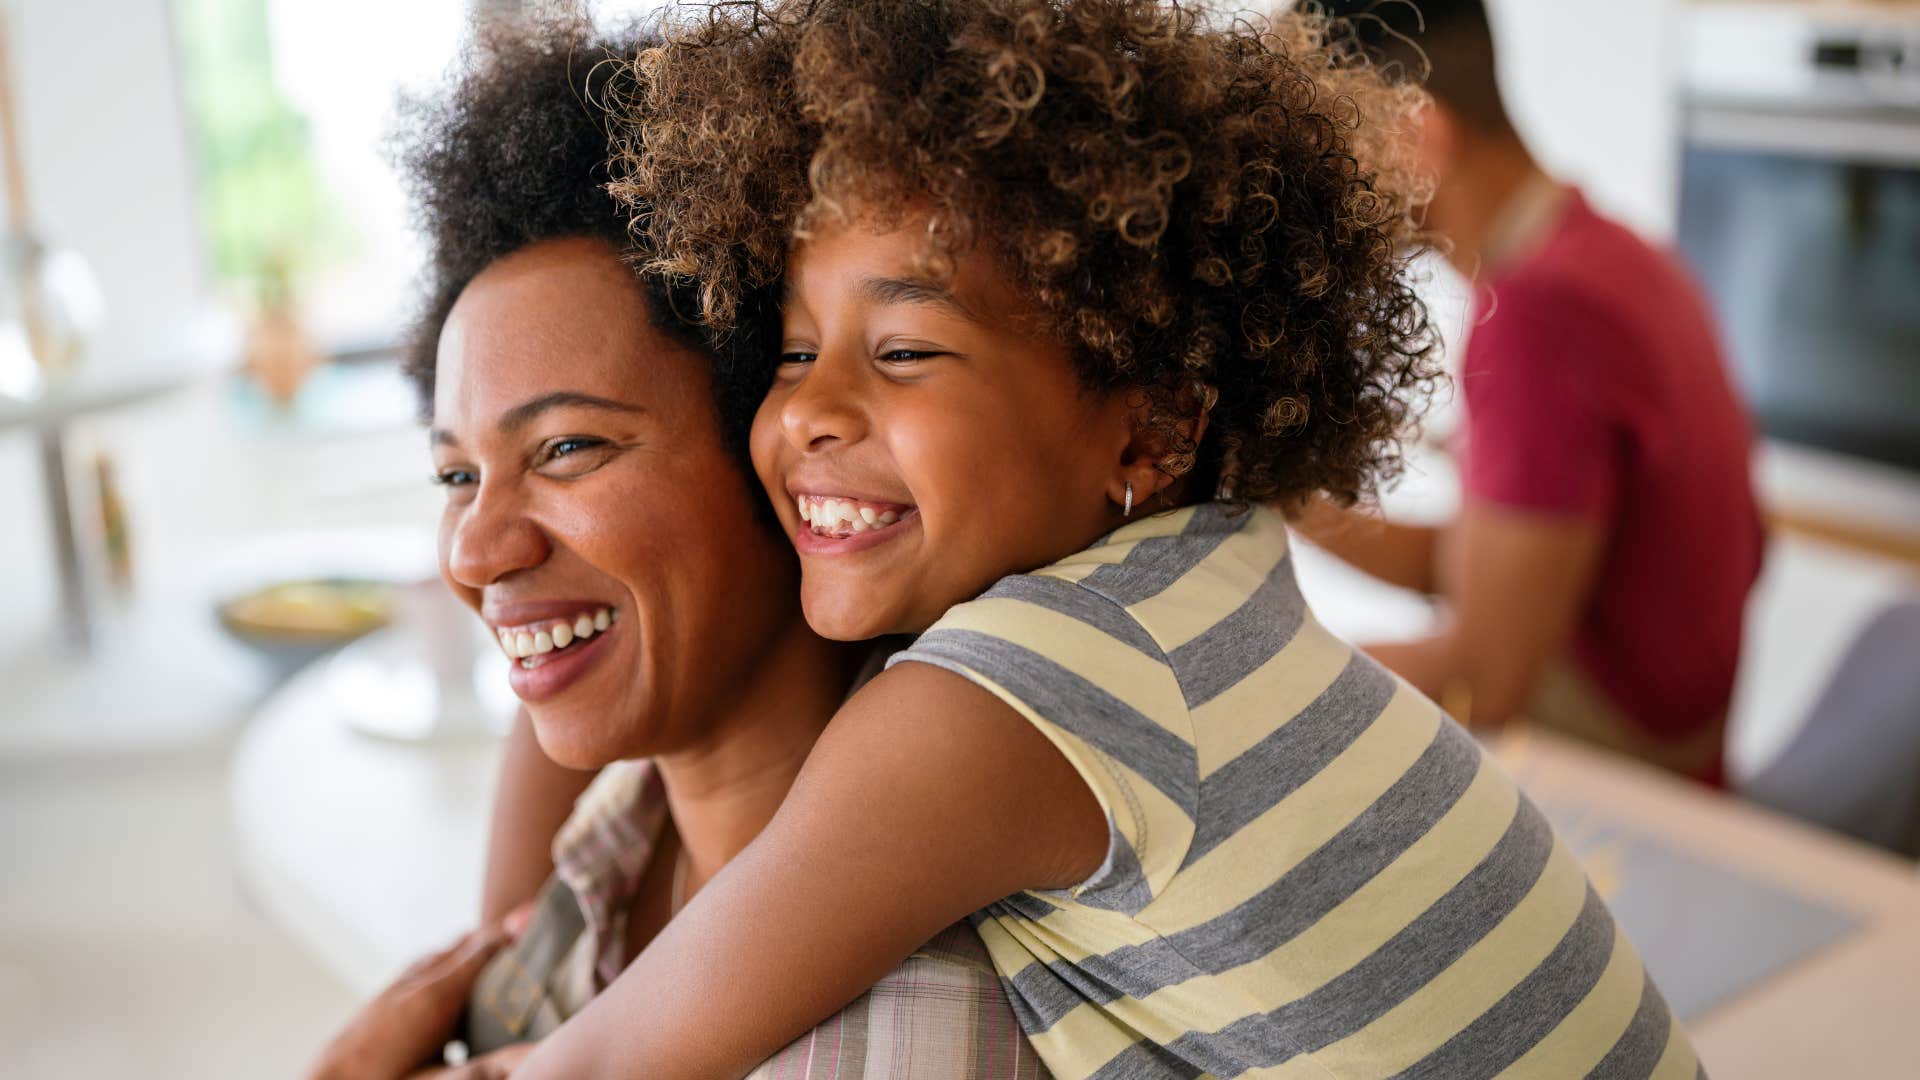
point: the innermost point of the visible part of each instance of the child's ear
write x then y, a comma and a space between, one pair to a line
1155, 459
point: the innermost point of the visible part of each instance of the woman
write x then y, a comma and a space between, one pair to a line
600, 521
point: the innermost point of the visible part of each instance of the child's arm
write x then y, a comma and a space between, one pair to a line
926, 799
531, 799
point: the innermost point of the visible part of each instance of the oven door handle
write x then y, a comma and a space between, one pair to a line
1889, 137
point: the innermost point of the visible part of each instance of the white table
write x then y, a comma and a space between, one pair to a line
367, 851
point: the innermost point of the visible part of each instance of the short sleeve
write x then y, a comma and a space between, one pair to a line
1098, 687
1541, 432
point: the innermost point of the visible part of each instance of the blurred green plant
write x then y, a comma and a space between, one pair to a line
266, 214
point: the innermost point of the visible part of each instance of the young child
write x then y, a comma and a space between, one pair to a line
1074, 292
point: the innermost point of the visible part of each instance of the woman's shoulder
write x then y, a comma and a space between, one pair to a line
609, 838
943, 1014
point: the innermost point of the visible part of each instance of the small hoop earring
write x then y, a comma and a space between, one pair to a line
1127, 510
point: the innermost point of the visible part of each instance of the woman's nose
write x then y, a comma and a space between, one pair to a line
492, 539
825, 407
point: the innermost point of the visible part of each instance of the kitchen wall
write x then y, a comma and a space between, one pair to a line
107, 160
1591, 86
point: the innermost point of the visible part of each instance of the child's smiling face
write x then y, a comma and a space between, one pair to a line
919, 441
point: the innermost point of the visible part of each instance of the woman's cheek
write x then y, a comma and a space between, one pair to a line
766, 444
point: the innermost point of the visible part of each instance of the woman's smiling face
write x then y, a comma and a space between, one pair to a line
919, 441
594, 517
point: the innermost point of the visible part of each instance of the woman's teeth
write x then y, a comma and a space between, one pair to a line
526, 643
844, 517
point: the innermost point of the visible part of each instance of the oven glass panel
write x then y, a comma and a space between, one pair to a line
1814, 269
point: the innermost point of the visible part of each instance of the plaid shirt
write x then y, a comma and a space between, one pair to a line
941, 1015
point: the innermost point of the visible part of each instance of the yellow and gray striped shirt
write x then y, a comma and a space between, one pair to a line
1312, 871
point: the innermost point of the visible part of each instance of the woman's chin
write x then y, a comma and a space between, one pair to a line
572, 739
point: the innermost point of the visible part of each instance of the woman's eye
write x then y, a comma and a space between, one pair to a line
452, 478
563, 447
572, 455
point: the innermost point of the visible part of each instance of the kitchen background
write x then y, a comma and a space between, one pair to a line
216, 833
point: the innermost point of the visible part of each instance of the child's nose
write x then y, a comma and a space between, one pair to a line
824, 408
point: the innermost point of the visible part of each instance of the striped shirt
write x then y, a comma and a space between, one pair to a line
1312, 871
941, 1015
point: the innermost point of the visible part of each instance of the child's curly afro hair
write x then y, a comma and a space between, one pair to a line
1212, 212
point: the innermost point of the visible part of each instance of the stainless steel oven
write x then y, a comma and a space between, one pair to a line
1800, 209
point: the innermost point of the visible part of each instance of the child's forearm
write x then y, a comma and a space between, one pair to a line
894, 831
758, 958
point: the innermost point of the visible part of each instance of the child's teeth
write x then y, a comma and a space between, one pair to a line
583, 626
602, 619
830, 515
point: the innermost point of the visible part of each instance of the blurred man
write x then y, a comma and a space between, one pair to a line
1596, 575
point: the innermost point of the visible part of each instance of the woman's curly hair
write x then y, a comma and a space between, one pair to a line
1213, 212
514, 152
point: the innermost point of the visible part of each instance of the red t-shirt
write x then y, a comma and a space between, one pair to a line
1595, 388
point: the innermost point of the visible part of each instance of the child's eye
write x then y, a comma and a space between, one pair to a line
906, 357
793, 364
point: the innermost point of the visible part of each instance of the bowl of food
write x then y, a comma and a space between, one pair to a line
293, 623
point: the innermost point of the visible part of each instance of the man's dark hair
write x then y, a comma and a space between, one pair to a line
514, 152
1446, 45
